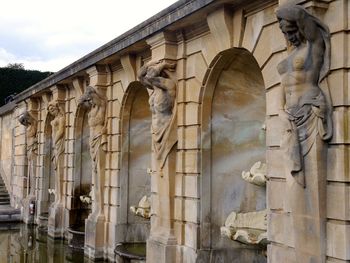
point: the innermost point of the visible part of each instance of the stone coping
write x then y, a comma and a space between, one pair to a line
173, 13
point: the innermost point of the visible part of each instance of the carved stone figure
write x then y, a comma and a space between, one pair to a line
306, 107
155, 77
30, 122
96, 104
58, 135
143, 209
308, 125
256, 175
247, 228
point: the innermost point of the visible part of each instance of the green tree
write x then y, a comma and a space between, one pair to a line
14, 79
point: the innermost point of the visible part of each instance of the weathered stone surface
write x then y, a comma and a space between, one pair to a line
226, 54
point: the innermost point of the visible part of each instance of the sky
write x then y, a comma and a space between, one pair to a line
48, 35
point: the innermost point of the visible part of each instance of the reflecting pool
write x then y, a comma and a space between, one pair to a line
20, 243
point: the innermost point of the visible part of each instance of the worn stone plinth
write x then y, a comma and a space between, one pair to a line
94, 237
161, 248
56, 221
28, 215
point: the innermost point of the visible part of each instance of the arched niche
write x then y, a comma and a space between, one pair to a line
233, 139
136, 159
82, 176
48, 179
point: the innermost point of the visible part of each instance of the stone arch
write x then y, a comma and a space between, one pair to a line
135, 160
82, 175
47, 181
232, 117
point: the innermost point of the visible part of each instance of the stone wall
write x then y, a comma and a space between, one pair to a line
241, 40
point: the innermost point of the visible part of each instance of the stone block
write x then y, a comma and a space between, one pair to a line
178, 208
179, 229
270, 41
181, 138
116, 105
338, 240
338, 60
71, 146
338, 206
275, 164
192, 186
191, 210
192, 113
113, 213
114, 196
279, 254
340, 23
191, 161
274, 130
196, 67
114, 126
181, 114
254, 24
192, 137
180, 157
106, 195
337, 163
154, 182
115, 143
209, 48
279, 228
193, 46
274, 98
181, 91
115, 163
179, 185
193, 90
118, 92
20, 150
337, 87
341, 132
191, 235
155, 204
114, 178
276, 193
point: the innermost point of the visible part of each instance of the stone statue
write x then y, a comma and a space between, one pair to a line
155, 76
143, 209
308, 126
256, 175
307, 109
96, 103
58, 136
30, 122
248, 228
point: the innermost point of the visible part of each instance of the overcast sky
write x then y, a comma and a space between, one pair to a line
48, 35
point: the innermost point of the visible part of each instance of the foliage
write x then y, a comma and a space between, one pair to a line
14, 79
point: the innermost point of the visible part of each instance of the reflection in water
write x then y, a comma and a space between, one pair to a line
20, 243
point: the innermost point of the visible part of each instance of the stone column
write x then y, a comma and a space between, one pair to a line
95, 100
159, 78
56, 108
30, 121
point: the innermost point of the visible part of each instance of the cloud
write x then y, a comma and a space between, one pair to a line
52, 34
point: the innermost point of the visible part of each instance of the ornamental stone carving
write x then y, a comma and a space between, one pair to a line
143, 209
58, 135
307, 111
248, 228
256, 175
31, 123
307, 127
95, 102
155, 77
